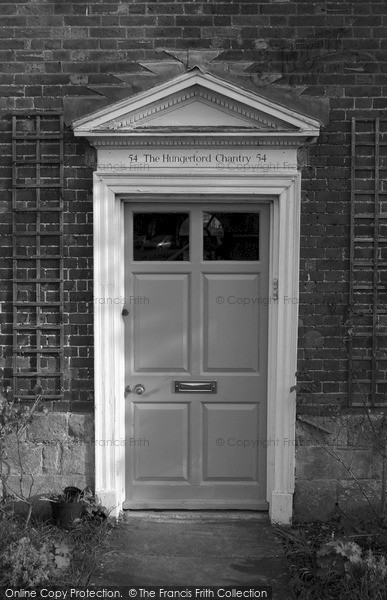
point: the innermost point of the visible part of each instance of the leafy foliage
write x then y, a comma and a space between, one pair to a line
29, 552
336, 557
27, 565
324, 567
33, 553
14, 416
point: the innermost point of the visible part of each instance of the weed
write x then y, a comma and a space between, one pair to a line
326, 567
33, 554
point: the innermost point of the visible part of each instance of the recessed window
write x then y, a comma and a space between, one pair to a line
231, 236
161, 236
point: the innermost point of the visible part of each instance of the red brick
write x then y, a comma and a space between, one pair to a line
278, 32
165, 8
191, 32
101, 32
275, 9
191, 43
142, 20
379, 103
70, 8
6, 32
160, 32
223, 21
13, 21
196, 21
79, 44
106, 8
230, 8
10, 9
249, 8
78, 20
44, 20
31, 32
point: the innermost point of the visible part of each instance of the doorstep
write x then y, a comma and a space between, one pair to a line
194, 548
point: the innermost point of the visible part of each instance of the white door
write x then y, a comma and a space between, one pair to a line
196, 355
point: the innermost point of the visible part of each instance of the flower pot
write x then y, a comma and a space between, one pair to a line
65, 513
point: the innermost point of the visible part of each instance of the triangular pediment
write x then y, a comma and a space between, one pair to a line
195, 107
199, 103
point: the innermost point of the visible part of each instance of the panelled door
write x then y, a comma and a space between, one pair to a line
196, 354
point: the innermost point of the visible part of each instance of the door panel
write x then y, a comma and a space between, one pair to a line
237, 425
161, 322
157, 456
195, 292
232, 322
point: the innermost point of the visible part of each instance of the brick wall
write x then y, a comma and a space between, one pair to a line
80, 56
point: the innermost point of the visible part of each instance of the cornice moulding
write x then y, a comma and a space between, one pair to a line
196, 105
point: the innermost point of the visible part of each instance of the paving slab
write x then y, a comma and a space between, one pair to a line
194, 548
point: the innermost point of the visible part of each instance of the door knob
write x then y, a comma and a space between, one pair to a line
138, 389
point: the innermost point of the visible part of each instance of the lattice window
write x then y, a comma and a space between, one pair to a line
37, 147
368, 268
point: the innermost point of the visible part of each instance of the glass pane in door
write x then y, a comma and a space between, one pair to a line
161, 236
230, 236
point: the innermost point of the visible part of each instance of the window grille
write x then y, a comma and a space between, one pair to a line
367, 321
37, 200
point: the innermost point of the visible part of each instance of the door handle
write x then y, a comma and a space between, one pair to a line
138, 389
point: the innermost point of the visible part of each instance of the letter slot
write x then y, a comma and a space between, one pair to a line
203, 387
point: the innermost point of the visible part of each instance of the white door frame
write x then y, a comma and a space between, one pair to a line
109, 293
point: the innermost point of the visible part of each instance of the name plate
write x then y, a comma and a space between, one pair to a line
229, 160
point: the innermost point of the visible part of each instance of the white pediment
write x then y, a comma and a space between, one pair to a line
195, 113
196, 103
194, 107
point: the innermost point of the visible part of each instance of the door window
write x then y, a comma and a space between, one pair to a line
161, 236
230, 236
